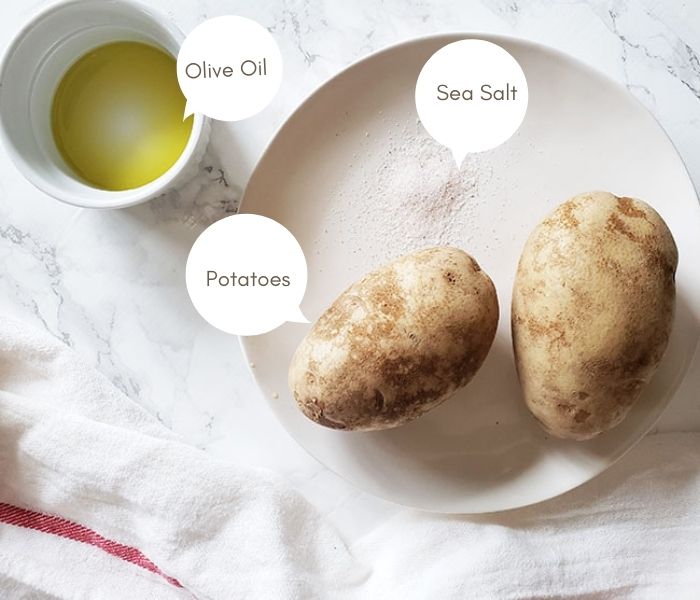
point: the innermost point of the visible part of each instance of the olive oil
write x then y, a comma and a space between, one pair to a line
117, 115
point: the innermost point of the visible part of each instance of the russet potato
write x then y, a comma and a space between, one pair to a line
593, 305
397, 342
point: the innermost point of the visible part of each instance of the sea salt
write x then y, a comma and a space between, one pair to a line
402, 192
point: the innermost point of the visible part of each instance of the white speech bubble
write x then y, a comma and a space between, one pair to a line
246, 275
229, 68
455, 107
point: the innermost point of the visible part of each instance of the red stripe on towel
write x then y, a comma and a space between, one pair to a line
21, 517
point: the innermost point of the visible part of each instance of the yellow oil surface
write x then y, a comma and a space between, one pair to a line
117, 115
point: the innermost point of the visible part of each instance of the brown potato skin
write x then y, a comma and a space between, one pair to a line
592, 311
396, 343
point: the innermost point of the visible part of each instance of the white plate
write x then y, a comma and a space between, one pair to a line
327, 177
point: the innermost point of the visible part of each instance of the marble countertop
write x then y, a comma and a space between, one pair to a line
111, 283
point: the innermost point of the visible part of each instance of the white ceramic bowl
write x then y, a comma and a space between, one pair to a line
30, 71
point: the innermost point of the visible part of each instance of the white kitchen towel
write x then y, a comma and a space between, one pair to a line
98, 500
74, 448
